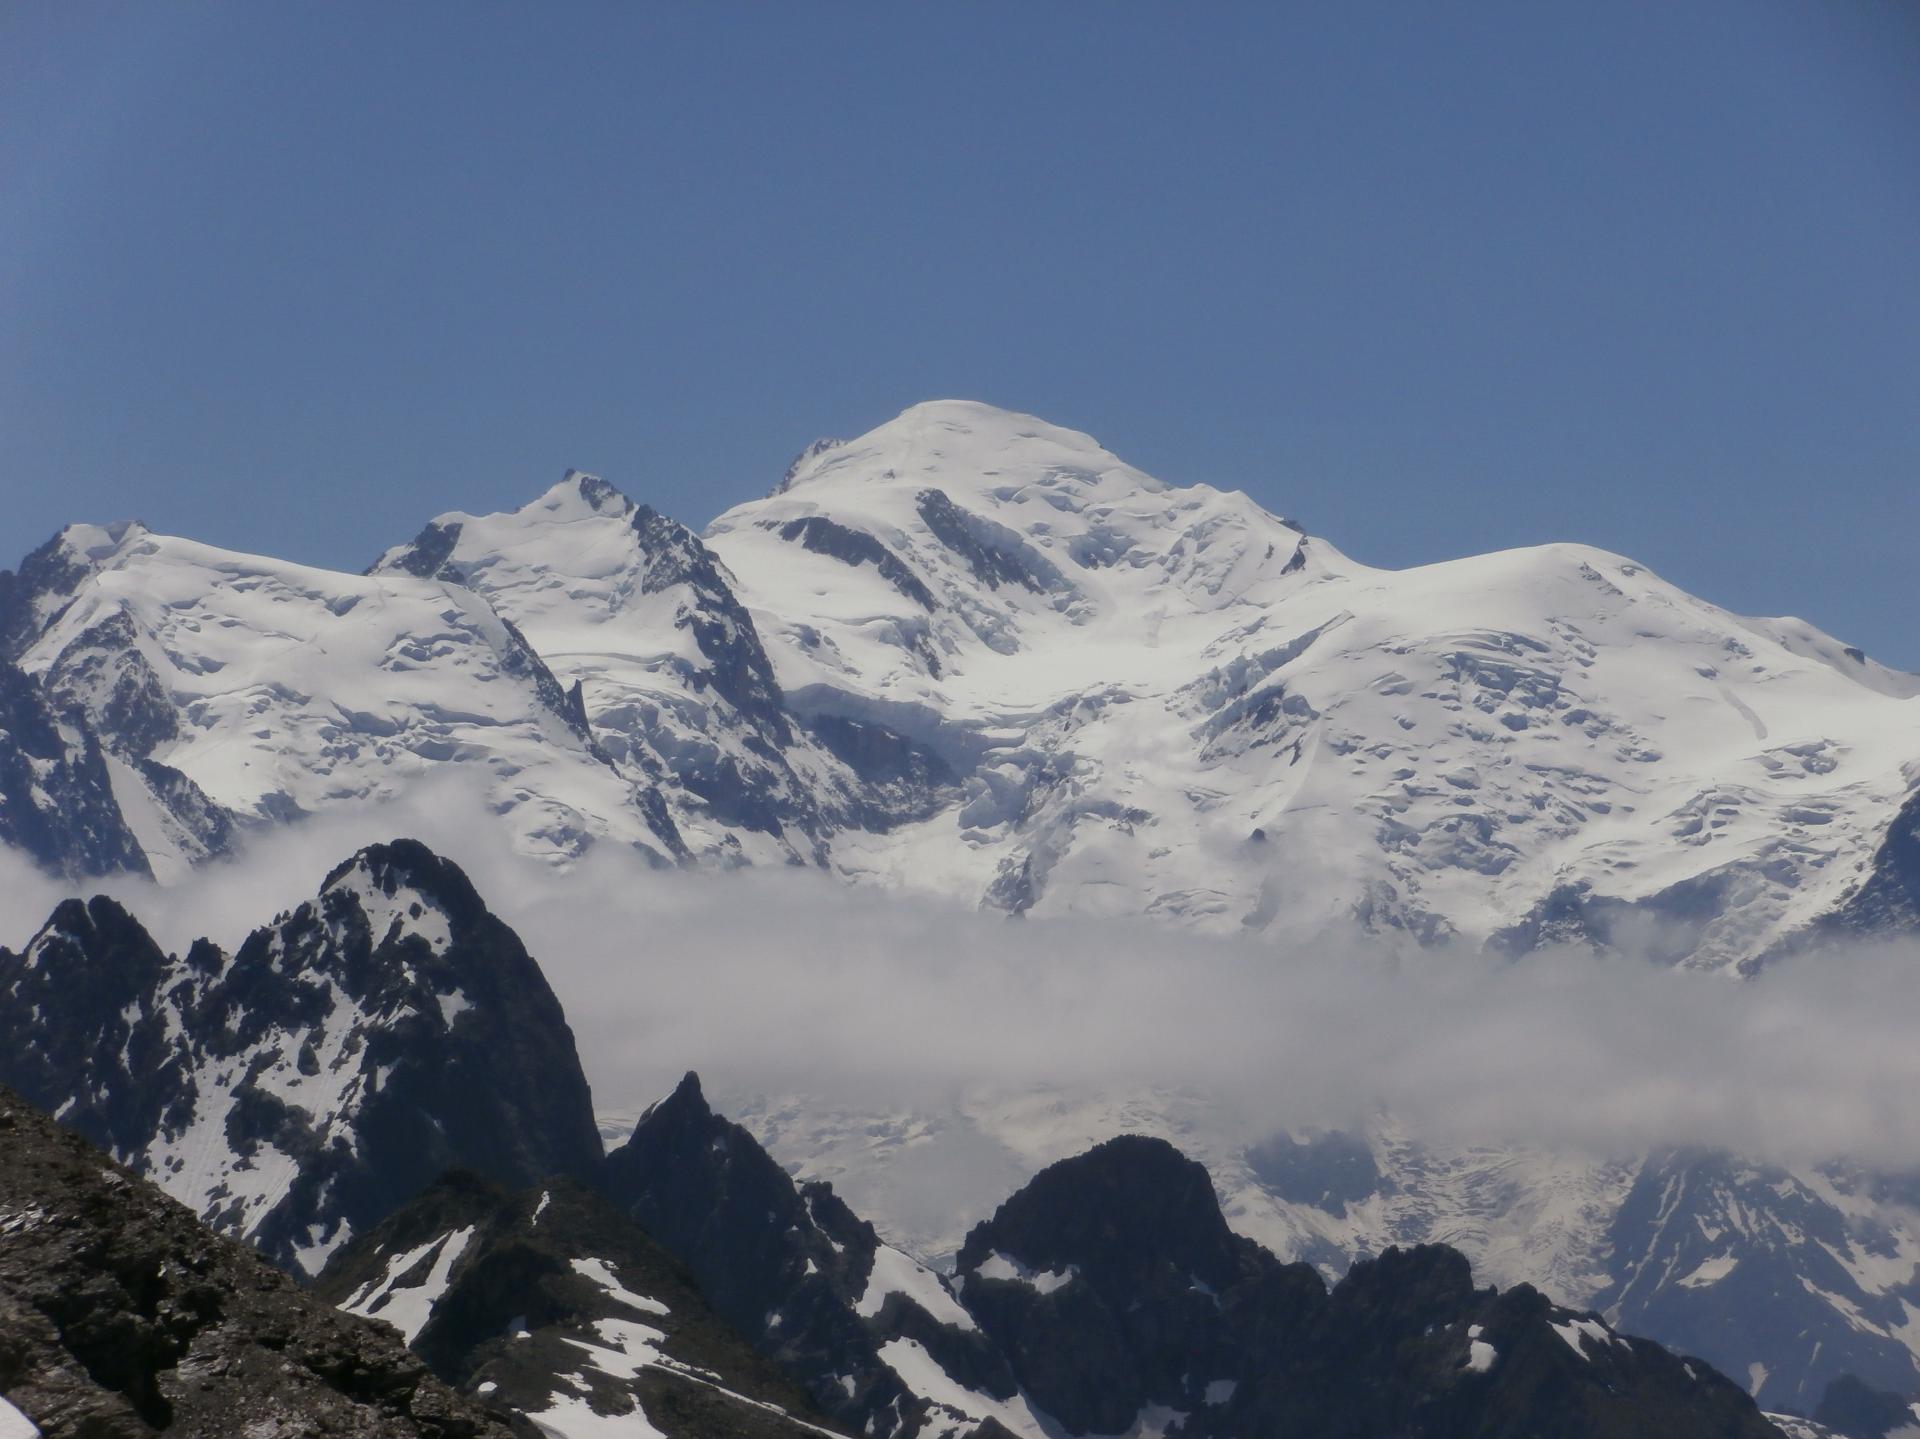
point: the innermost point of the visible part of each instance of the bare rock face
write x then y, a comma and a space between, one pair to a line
121, 1315
1109, 1296
57, 804
1853, 1409
779, 1263
1116, 1288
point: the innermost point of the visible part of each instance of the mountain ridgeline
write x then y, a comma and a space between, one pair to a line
294, 1091
310, 1093
930, 657
973, 654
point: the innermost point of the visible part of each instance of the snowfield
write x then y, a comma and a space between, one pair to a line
976, 654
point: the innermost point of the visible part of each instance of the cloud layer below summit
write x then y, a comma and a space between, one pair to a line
793, 982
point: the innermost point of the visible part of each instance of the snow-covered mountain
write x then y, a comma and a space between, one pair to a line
975, 653
232, 690
1166, 701
636, 616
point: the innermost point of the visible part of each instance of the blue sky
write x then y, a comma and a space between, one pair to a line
1433, 279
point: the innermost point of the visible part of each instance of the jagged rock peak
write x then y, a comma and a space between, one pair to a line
91, 927
530, 1298
803, 459
342, 1058
48, 577
1130, 1196
57, 801
599, 495
405, 871
687, 1102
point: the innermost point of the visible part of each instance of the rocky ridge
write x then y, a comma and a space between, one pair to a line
122, 1316
295, 1091
553, 1304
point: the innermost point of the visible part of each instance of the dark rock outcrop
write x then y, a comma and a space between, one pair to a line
1887, 900
332, 1068
122, 1316
1854, 1409
856, 547
1102, 1282
56, 795
1116, 1289
994, 555
789, 1266
551, 1292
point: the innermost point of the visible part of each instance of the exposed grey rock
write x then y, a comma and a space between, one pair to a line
122, 1316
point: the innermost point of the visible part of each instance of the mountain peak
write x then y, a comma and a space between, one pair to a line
949, 438
1099, 1211
579, 493
405, 862
687, 1099
962, 412
97, 543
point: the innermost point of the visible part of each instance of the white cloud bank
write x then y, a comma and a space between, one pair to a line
792, 982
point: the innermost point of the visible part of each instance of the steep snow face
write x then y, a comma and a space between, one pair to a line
632, 609
231, 685
1167, 701
404, 1296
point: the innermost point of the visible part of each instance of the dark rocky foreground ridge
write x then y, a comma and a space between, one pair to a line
121, 1315
551, 1301
391, 1028
1109, 1294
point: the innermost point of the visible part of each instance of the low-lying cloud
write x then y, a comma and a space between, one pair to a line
792, 982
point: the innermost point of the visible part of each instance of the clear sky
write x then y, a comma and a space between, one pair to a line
1432, 279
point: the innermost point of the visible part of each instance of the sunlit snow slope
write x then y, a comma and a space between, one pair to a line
1166, 700
974, 653
233, 688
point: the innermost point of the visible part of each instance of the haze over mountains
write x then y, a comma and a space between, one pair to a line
974, 657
